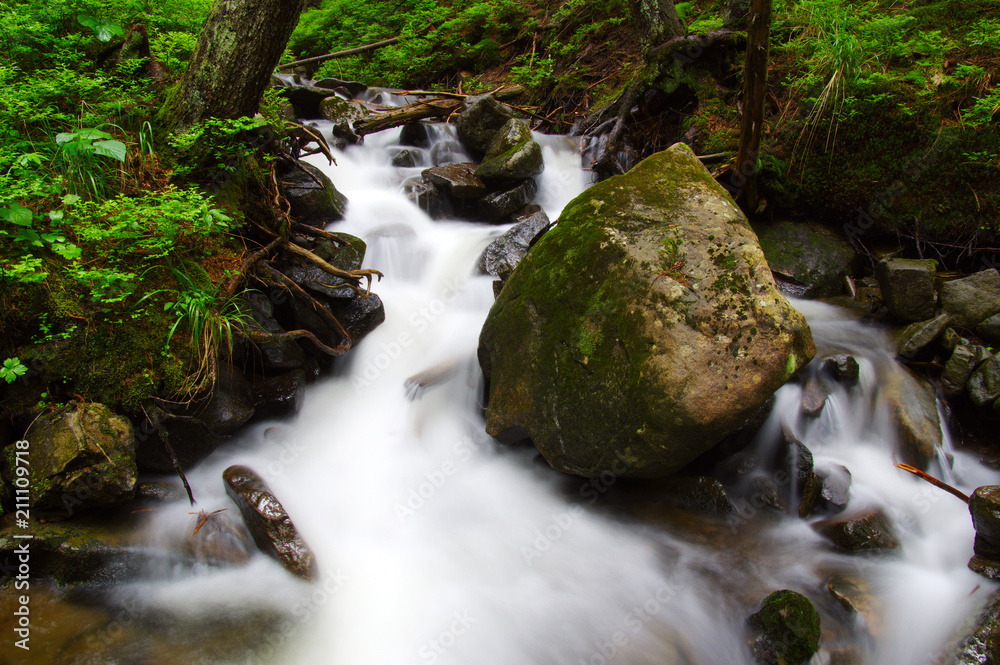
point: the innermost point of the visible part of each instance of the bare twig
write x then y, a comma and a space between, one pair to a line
940, 484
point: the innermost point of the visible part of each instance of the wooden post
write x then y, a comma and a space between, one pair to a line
754, 94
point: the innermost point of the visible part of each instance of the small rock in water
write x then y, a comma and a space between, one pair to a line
814, 396
984, 505
267, 521
843, 369
785, 630
867, 532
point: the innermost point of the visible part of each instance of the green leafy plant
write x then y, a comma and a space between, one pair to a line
104, 28
12, 369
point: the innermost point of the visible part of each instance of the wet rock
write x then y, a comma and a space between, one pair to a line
797, 460
807, 254
512, 155
97, 548
480, 119
405, 159
458, 185
218, 539
188, 437
275, 356
343, 114
984, 383
855, 595
359, 315
870, 531
82, 457
950, 339
230, 403
814, 395
306, 99
785, 630
984, 505
268, 523
313, 199
963, 362
158, 492
415, 135
827, 492
503, 254
973, 299
330, 83
843, 369
498, 205
696, 493
642, 364
907, 287
915, 337
913, 408
981, 646
279, 396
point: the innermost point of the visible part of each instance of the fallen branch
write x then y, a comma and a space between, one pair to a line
441, 106
940, 484
429, 108
340, 54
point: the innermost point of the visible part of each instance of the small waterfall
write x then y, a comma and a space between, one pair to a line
435, 545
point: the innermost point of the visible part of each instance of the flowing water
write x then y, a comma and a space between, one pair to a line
435, 545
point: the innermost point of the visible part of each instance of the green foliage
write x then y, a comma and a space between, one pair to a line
12, 369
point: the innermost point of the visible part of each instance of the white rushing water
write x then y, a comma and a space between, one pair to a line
437, 546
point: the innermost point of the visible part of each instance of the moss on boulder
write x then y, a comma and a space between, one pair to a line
642, 329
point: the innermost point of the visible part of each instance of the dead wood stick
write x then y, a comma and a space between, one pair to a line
940, 484
341, 54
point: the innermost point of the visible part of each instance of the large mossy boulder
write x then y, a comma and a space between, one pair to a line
480, 119
973, 299
80, 457
642, 329
907, 287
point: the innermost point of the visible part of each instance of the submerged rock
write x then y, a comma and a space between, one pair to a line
82, 457
267, 521
642, 329
785, 630
907, 287
981, 646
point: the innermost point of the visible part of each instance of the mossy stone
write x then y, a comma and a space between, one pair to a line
642, 329
786, 629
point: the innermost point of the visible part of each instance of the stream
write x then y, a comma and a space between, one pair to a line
437, 545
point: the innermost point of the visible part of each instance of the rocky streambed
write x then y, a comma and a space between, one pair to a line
730, 455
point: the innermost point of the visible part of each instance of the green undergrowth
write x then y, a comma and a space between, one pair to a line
115, 240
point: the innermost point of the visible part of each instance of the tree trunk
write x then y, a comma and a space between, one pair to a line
754, 97
239, 46
656, 20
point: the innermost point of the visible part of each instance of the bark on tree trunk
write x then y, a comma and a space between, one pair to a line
656, 20
754, 94
239, 46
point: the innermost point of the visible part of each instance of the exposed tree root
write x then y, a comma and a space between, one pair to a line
264, 337
352, 276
